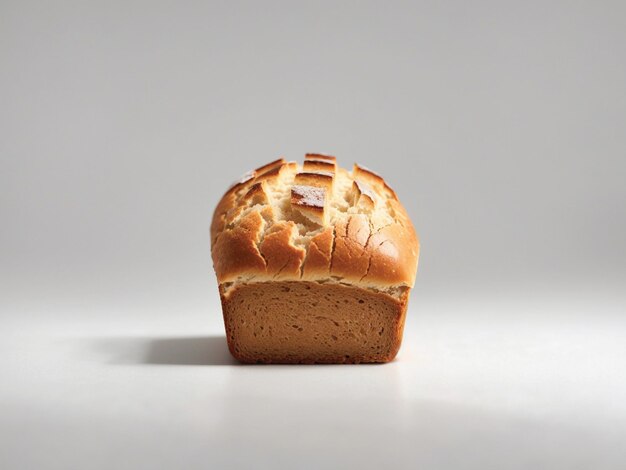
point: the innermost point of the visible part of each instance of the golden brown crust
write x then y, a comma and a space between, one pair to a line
319, 165
317, 262
320, 156
377, 181
319, 180
269, 166
316, 222
238, 247
283, 258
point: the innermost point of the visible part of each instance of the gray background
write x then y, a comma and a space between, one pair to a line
501, 125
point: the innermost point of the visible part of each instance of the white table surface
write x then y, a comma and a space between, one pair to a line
534, 381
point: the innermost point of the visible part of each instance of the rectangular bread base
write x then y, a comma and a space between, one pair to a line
297, 322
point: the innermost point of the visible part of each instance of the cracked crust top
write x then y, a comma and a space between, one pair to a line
314, 222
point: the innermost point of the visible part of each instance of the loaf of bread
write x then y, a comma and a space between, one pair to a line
314, 264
